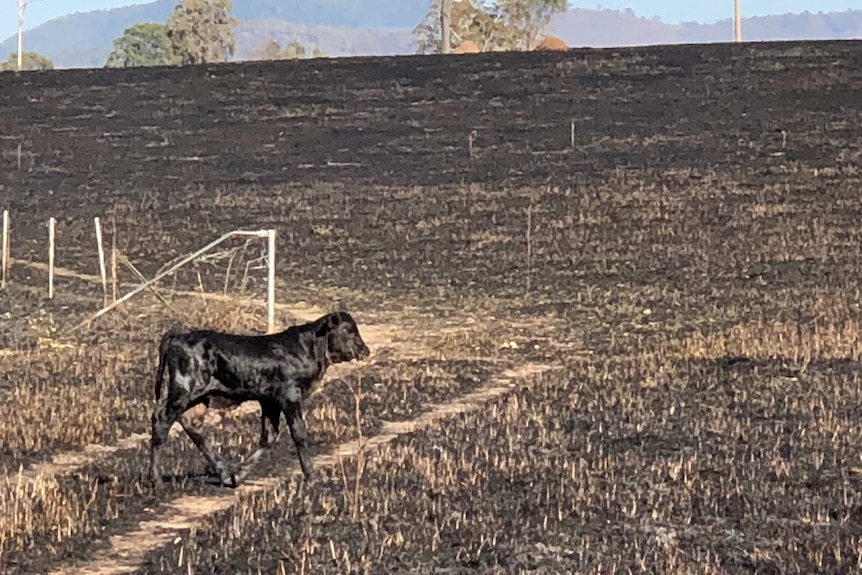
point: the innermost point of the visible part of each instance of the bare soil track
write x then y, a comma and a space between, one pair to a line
700, 238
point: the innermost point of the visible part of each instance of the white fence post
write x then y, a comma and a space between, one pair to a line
102, 270
51, 223
5, 257
113, 258
270, 282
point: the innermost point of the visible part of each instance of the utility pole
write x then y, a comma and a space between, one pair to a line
737, 21
22, 5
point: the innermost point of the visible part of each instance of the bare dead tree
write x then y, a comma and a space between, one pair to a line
446, 26
22, 6
737, 21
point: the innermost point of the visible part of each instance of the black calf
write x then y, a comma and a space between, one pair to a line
209, 367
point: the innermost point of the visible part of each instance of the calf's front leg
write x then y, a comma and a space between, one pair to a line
299, 434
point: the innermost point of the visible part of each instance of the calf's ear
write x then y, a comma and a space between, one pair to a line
322, 329
334, 319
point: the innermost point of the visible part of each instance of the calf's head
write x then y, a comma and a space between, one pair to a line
343, 342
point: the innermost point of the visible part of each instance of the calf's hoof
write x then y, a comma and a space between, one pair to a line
219, 473
230, 480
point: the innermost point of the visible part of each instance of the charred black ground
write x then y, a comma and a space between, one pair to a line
701, 239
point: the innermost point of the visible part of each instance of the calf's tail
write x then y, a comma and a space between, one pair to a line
163, 353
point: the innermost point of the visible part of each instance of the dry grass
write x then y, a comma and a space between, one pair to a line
90, 393
43, 510
722, 386
777, 339
586, 462
74, 397
108, 391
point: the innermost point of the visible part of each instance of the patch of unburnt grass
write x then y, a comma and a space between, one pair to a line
64, 398
719, 465
140, 323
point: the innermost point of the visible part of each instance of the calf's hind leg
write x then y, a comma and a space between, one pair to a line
192, 426
164, 416
270, 412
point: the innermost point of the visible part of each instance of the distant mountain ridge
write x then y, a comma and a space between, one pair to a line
384, 27
605, 28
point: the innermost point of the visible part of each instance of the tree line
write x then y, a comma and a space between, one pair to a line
202, 32
488, 27
196, 32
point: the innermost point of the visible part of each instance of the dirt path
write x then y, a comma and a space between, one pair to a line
128, 550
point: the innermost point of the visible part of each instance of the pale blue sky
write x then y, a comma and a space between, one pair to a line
669, 10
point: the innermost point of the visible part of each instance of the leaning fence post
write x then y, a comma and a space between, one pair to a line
270, 282
51, 224
5, 258
102, 271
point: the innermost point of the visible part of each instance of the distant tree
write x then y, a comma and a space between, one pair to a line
491, 27
317, 53
268, 50
293, 51
202, 31
428, 33
528, 19
29, 61
469, 20
143, 45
